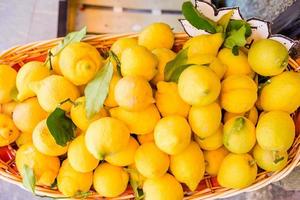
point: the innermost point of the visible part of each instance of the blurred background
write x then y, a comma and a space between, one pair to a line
25, 21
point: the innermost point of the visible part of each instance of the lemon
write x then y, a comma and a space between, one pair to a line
213, 160
105, 136
125, 156
139, 61
168, 100
251, 114
205, 120
54, 62
238, 94
198, 85
28, 114
28, 73
79, 62
188, 166
52, 90
78, 114
270, 160
146, 138
109, 180
7, 83
211, 142
150, 161
239, 135
8, 130
275, 131
172, 134
204, 44
282, 93
156, 35
268, 57
110, 100
121, 44
164, 56
24, 138
236, 64
165, 187
133, 93
44, 142
71, 182
8, 108
45, 167
139, 122
237, 171
79, 157
210, 61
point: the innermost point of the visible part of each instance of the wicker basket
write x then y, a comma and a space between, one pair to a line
207, 189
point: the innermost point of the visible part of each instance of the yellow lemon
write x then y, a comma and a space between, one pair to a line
28, 114
150, 161
239, 135
78, 114
7, 83
125, 156
251, 114
205, 120
79, 62
53, 90
140, 122
110, 180
172, 134
204, 44
275, 131
165, 187
70, 181
44, 142
237, 171
270, 160
121, 44
146, 138
236, 64
110, 100
156, 35
281, 93
238, 94
105, 136
24, 138
213, 160
268, 57
28, 73
168, 100
211, 142
133, 93
54, 62
210, 61
188, 166
8, 130
198, 85
8, 108
164, 56
139, 61
45, 167
79, 157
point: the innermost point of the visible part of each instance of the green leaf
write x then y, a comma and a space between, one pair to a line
175, 67
61, 127
115, 57
197, 19
28, 178
236, 38
235, 24
97, 90
225, 19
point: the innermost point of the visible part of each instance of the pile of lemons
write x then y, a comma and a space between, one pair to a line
216, 120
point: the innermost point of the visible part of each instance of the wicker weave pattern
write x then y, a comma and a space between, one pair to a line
207, 189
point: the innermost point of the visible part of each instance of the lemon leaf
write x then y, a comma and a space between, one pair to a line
225, 19
28, 178
197, 19
97, 90
115, 57
61, 127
